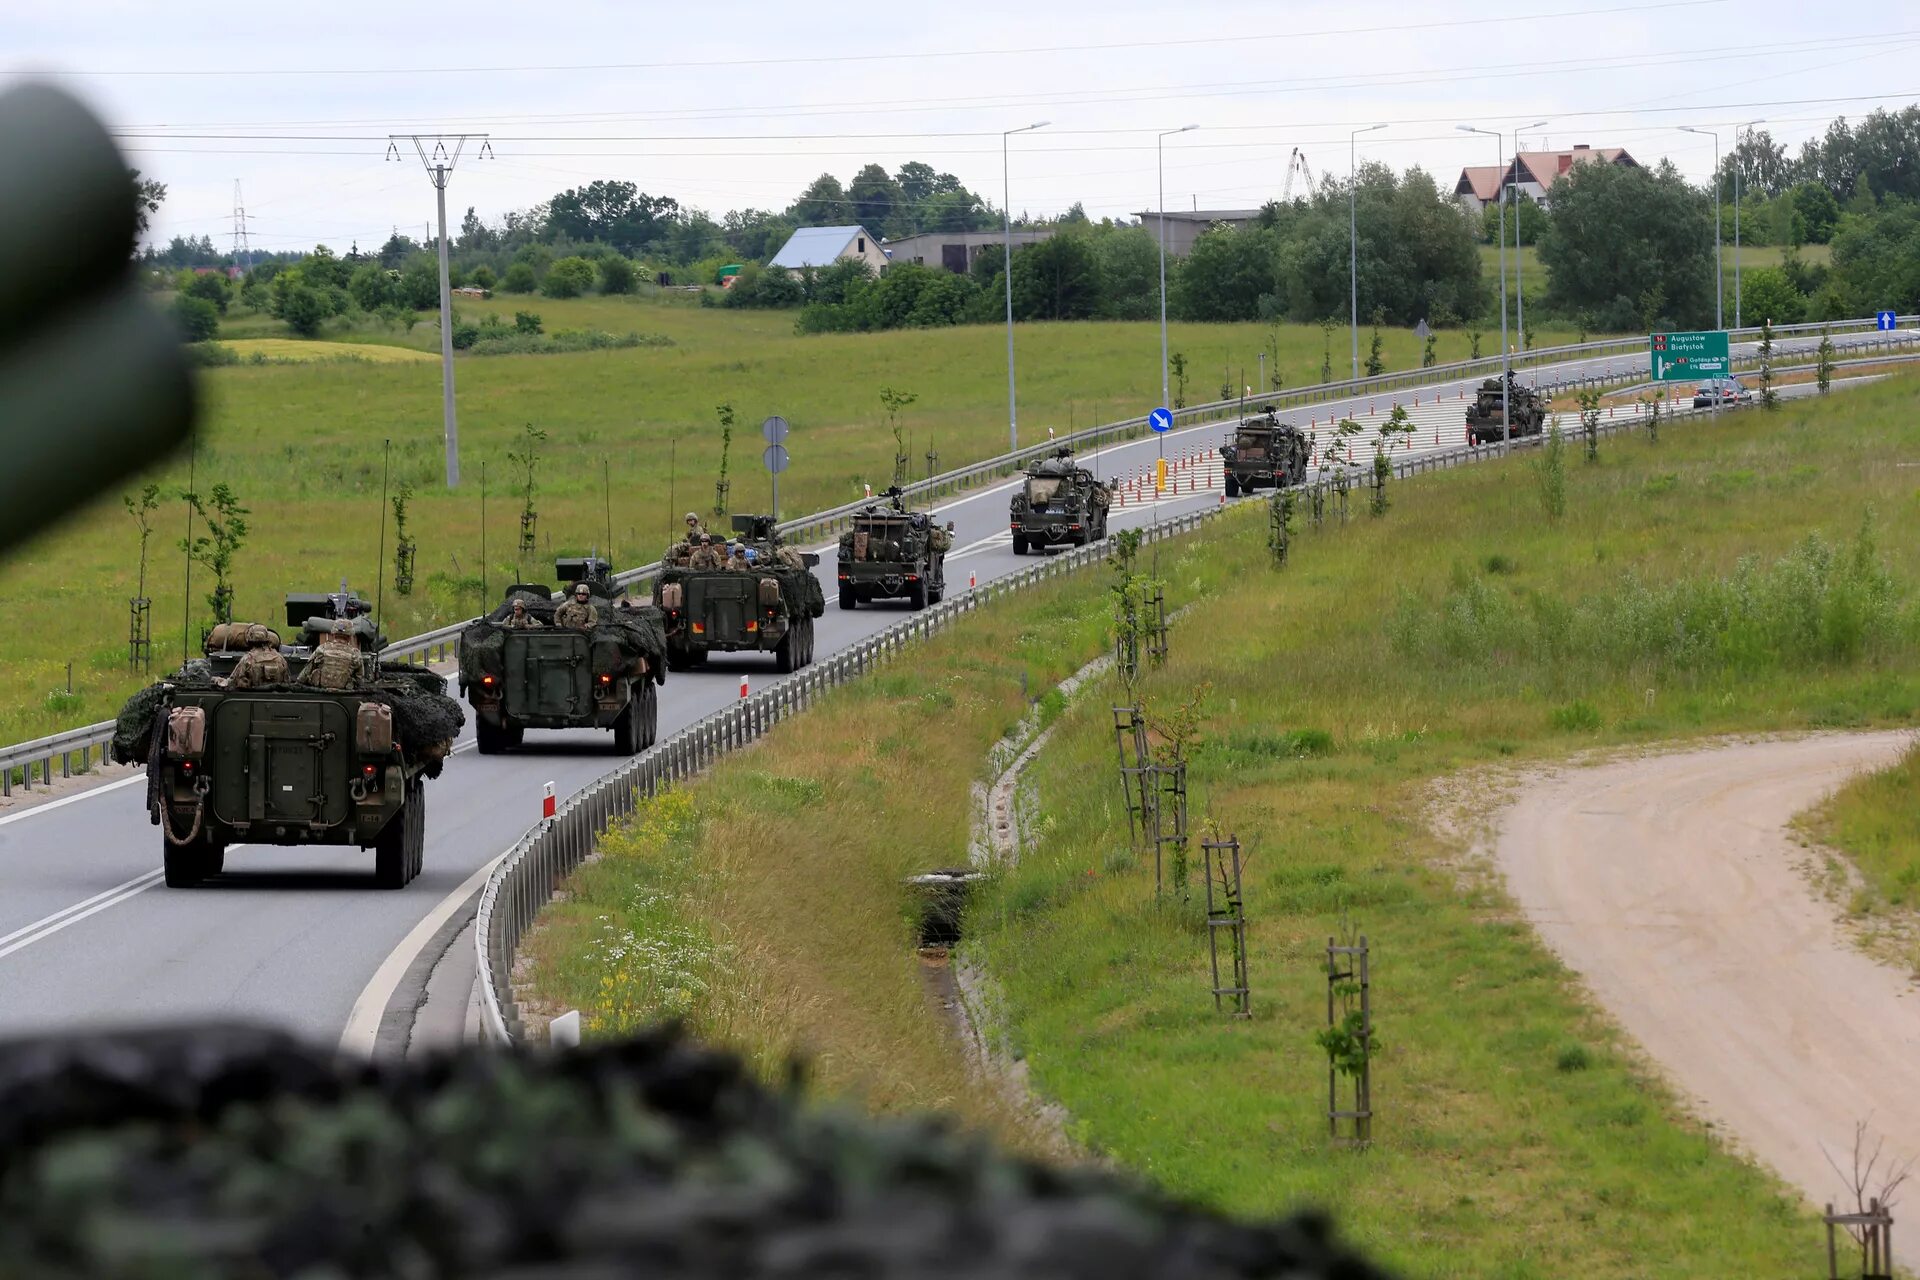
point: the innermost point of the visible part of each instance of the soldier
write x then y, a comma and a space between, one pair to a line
695, 530
737, 558
705, 555
578, 612
519, 619
336, 661
261, 664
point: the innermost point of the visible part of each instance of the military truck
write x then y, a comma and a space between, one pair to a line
287, 764
1059, 501
552, 677
1264, 452
892, 553
769, 608
1485, 423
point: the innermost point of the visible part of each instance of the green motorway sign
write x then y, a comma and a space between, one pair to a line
1683, 357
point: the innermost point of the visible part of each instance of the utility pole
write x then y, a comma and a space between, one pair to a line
1353, 248
242, 243
439, 164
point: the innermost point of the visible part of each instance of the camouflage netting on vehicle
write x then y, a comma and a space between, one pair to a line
621, 636
224, 1152
133, 727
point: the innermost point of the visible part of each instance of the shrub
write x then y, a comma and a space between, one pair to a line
211, 355
213, 288
419, 287
1578, 716
305, 309
519, 279
482, 277
198, 319
568, 278
618, 274
1572, 1057
501, 341
526, 322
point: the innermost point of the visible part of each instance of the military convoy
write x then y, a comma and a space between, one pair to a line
1058, 502
521, 669
287, 763
892, 553
1264, 453
767, 607
1486, 416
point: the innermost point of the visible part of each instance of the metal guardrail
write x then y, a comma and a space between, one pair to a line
75, 748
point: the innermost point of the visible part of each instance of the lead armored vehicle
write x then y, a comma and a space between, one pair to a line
546, 676
768, 607
1485, 416
290, 764
1058, 502
892, 553
1264, 453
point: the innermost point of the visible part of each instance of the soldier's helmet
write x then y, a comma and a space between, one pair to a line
581, 591
519, 605
692, 518
342, 627
257, 634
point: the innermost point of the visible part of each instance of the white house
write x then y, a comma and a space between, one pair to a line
824, 246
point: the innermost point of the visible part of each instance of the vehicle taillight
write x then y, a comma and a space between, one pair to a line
487, 680
186, 766
753, 624
606, 679
699, 628
366, 770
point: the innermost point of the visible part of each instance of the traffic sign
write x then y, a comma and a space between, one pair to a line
1682, 357
1161, 419
774, 458
1887, 320
774, 430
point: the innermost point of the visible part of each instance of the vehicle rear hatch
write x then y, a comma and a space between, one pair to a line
281, 760
720, 606
548, 674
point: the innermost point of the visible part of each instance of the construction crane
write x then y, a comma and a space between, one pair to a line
1297, 163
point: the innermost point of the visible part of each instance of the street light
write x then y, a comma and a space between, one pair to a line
1719, 279
1006, 200
1519, 263
1506, 369
1353, 248
1159, 158
1736, 215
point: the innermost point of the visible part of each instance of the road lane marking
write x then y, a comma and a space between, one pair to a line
42, 929
64, 801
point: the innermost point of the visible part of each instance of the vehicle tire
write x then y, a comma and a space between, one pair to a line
417, 810
626, 730
649, 714
394, 849
848, 598
917, 595
785, 653
1019, 544
488, 738
1230, 485
188, 864
806, 656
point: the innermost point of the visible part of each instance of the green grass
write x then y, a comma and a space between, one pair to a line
1518, 1136
301, 444
1875, 821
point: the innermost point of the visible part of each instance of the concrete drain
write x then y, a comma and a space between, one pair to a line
943, 905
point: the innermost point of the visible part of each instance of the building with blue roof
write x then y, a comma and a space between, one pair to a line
824, 246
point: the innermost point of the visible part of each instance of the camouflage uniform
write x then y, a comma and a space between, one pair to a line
738, 561
706, 557
695, 530
261, 664
520, 620
337, 663
577, 613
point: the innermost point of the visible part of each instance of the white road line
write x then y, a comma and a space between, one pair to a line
363, 1023
40, 930
64, 801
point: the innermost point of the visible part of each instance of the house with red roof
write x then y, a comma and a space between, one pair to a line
1531, 172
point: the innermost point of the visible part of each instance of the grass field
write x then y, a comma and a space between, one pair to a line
301, 351
1875, 821
302, 446
1463, 636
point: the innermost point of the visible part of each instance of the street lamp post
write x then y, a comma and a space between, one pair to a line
1719, 279
1006, 198
1506, 367
1519, 263
1353, 246
1159, 159
1736, 214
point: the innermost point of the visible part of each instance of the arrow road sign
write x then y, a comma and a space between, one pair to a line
1682, 357
1161, 419
1887, 320
774, 430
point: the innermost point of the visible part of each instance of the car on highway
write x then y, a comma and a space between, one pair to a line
1731, 392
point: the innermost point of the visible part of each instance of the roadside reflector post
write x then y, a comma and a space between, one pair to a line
546, 803
564, 1031
743, 686
1160, 475
972, 582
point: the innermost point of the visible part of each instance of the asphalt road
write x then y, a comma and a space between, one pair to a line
291, 936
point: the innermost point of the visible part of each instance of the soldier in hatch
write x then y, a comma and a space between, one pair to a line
519, 619
261, 664
737, 558
695, 530
706, 556
578, 612
337, 662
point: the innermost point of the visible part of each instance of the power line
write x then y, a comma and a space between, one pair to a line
923, 55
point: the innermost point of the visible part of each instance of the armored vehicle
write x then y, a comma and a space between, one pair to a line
1264, 453
1484, 420
769, 607
1058, 502
287, 763
544, 676
891, 553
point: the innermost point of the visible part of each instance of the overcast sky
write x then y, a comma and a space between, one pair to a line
735, 105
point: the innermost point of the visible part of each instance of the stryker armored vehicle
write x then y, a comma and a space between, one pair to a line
286, 763
1058, 502
1484, 416
1264, 453
891, 553
552, 677
768, 608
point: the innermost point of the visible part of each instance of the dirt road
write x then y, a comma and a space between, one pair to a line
1670, 885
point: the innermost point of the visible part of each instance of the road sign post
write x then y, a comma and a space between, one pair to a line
774, 458
1886, 321
1685, 357
1161, 420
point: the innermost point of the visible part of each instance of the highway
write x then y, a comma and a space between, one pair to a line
293, 937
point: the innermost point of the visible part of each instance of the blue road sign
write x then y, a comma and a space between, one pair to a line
1887, 320
1161, 419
